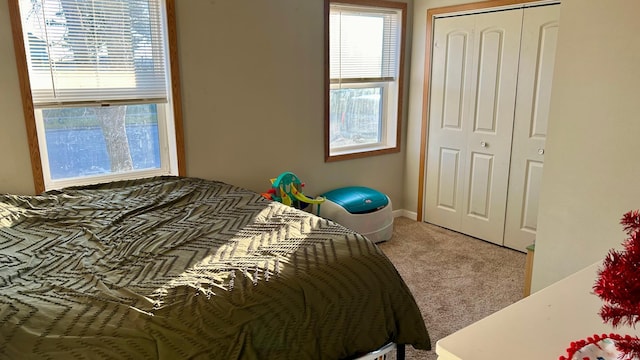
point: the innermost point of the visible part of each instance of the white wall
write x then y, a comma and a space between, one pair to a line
592, 162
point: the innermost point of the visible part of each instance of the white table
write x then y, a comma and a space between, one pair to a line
540, 326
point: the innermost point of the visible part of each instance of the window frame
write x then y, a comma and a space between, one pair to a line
389, 126
29, 110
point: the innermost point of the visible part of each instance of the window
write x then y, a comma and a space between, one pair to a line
365, 61
100, 94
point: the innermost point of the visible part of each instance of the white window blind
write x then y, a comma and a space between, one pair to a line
363, 43
105, 51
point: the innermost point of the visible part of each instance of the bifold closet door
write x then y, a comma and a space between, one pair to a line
537, 57
472, 88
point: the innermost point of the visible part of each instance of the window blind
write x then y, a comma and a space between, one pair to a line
363, 43
104, 51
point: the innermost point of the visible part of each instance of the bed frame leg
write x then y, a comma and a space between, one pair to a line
400, 351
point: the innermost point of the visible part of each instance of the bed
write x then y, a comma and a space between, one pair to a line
187, 268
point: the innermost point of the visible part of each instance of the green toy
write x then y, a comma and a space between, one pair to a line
287, 188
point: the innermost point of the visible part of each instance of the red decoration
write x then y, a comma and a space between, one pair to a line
618, 285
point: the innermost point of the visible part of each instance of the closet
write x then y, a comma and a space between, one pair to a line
490, 87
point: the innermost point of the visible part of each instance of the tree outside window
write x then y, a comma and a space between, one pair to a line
99, 77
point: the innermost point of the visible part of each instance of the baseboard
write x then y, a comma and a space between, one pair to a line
405, 213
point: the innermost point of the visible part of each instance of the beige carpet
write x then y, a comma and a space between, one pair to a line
456, 279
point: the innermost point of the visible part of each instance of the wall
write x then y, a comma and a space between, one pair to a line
591, 162
15, 165
253, 95
252, 76
253, 90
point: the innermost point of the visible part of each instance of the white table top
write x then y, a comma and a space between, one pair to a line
540, 326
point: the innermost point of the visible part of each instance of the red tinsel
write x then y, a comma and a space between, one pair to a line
618, 285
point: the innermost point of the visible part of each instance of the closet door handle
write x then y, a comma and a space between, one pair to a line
483, 144
541, 151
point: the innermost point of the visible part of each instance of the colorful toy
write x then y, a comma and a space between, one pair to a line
287, 189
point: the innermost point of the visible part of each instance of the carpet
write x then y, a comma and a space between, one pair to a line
456, 279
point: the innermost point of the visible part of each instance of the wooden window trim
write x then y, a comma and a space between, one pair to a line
27, 100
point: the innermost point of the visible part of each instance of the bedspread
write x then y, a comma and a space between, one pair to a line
177, 268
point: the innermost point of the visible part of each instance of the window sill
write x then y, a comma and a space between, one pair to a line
360, 153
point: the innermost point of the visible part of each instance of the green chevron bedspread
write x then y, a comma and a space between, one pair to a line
185, 268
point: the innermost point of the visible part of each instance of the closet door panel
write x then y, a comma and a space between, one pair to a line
539, 35
479, 200
447, 192
546, 52
454, 80
492, 102
532, 183
486, 107
449, 116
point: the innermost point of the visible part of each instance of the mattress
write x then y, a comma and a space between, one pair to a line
187, 268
